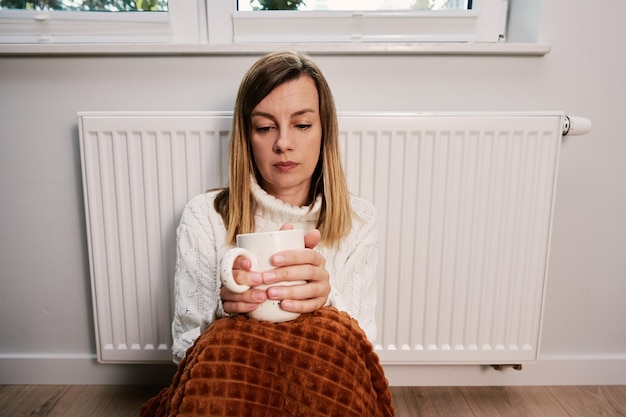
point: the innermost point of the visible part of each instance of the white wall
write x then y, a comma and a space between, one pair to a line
46, 330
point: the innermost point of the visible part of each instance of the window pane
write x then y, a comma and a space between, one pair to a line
367, 5
87, 5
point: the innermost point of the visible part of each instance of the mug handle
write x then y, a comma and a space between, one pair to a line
226, 269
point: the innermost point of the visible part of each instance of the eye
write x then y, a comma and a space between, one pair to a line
263, 129
303, 126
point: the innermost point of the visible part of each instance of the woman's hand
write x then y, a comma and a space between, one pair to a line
295, 265
249, 300
292, 265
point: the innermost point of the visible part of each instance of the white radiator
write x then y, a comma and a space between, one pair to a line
465, 206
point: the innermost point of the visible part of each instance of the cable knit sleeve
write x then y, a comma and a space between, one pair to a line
196, 286
353, 269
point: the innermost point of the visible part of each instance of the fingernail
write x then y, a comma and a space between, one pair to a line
274, 292
278, 259
287, 304
269, 277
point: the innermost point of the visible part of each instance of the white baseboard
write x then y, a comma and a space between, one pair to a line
77, 369
84, 369
554, 370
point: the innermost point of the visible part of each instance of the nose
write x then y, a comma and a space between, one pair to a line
283, 142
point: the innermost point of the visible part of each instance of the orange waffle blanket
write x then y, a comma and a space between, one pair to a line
320, 364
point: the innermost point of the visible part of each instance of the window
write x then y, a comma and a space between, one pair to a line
97, 21
368, 21
374, 21
229, 22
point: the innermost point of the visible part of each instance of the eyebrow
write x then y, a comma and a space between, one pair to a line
269, 116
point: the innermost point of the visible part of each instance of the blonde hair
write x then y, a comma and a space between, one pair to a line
235, 203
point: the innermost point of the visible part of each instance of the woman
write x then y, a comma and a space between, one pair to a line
285, 172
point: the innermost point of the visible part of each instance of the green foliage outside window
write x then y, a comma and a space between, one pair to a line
278, 4
86, 5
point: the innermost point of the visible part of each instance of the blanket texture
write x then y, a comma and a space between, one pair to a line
320, 364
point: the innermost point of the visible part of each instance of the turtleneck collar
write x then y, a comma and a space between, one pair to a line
277, 210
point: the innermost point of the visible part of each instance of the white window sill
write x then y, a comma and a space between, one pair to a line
505, 49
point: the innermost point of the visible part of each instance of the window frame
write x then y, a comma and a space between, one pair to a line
217, 24
486, 22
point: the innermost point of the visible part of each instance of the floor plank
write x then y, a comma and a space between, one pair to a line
96, 401
430, 401
125, 401
512, 402
29, 400
73, 401
596, 401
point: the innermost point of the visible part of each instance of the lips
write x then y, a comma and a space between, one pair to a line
286, 166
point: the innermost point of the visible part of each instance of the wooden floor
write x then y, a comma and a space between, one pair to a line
124, 401
572, 401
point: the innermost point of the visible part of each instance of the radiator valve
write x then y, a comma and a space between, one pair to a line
517, 367
575, 126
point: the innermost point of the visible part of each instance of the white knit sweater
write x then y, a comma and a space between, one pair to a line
201, 245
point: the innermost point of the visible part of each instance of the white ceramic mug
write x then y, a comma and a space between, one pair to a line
259, 248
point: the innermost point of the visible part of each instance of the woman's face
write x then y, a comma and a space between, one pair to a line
286, 138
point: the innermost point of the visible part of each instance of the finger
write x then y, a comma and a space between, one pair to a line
253, 296
300, 298
241, 262
300, 292
298, 272
312, 238
245, 302
303, 306
296, 257
247, 278
287, 226
242, 274
231, 307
